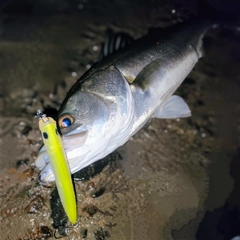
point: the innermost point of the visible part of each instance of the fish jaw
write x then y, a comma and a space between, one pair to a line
93, 149
71, 143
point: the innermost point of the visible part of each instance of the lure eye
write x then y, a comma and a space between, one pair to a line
65, 121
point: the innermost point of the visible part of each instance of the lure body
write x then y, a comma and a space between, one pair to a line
58, 160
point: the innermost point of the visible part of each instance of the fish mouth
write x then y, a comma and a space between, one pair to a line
71, 142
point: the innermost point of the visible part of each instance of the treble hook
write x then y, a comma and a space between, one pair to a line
42, 116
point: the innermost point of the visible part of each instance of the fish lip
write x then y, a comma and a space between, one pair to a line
46, 175
81, 130
42, 159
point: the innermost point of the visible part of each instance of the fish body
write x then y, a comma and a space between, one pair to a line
118, 95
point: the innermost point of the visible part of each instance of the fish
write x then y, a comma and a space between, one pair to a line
121, 93
58, 161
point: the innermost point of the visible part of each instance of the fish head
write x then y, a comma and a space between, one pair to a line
93, 120
82, 121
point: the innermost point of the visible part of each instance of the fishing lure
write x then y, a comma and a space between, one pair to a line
58, 160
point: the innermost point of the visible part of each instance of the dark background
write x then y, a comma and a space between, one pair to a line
40, 43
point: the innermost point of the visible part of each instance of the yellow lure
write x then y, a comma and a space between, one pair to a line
59, 163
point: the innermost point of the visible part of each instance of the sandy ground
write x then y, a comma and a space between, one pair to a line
170, 181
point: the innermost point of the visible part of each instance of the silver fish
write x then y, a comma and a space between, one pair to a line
118, 95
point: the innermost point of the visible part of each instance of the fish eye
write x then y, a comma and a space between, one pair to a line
65, 121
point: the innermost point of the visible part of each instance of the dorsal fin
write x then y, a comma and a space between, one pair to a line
114, 42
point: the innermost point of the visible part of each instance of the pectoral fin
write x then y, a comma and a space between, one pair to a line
175, 107
151, 73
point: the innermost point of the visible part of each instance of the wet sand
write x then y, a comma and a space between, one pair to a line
168, 180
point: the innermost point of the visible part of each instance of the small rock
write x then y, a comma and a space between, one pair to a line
90, 209
35, 205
